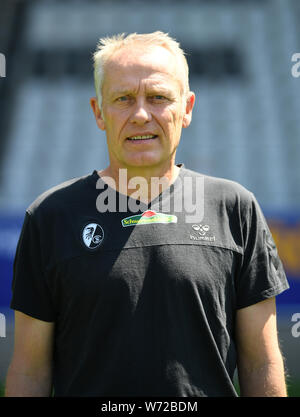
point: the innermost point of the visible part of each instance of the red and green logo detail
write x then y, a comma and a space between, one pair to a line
148, 217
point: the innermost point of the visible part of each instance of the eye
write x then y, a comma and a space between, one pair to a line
122, 98
159, 97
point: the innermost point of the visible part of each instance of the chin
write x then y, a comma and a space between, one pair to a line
142, 161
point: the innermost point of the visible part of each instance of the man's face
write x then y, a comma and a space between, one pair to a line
143, 107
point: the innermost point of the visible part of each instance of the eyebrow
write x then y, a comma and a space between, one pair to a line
158, 89
124, 92
150, 90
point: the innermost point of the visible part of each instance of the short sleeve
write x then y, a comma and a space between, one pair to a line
30, 293
261, 275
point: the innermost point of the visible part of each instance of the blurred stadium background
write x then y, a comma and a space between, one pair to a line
246, 123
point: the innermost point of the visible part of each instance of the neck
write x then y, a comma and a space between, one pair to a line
142, 184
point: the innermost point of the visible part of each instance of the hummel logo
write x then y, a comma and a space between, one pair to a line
201, 231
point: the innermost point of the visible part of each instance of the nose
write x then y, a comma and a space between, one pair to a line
140, 113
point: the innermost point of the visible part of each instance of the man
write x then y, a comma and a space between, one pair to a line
145, 302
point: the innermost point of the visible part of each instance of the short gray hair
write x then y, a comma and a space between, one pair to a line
107, 46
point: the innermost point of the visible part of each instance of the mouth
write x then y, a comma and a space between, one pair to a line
142, 138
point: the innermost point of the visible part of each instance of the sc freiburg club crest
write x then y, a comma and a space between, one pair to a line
92, 235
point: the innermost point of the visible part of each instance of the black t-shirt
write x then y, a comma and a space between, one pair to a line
144, 302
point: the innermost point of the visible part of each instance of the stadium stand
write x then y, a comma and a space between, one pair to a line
245, 124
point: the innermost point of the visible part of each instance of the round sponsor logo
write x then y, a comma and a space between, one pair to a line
92, 235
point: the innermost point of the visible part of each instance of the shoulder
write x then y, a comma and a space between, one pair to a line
63, 195
220, 189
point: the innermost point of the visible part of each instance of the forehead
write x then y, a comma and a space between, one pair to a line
156, 66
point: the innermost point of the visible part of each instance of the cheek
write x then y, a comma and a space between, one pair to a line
172, 116
115, 121
177, 119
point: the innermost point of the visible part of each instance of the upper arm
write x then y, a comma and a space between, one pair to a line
33, 345
256, 334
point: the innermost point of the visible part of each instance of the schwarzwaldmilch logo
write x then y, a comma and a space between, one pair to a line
92, 235
148, 217
201, 232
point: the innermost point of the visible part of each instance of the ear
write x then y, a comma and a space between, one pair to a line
97, 112
190, 101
